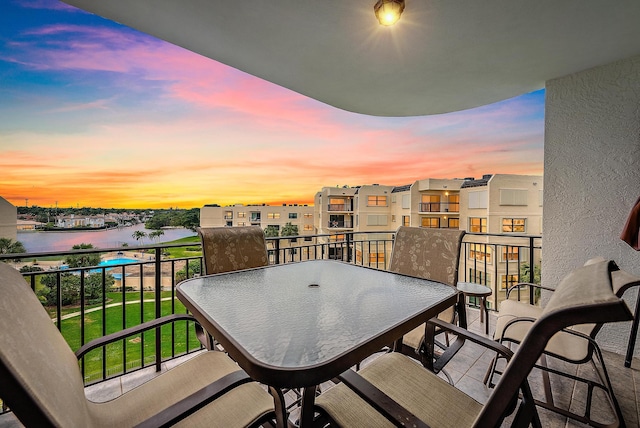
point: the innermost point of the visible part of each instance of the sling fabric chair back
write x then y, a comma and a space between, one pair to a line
227, 249
431, 254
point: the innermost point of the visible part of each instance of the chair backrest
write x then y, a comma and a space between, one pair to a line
39, 374
427, 253
227, 249
584, 296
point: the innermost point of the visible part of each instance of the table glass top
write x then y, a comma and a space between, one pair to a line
301, 314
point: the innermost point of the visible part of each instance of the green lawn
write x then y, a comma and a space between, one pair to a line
133, 350
129, 352
180, 252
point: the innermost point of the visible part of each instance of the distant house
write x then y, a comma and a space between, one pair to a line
8, 220
71, 221
29, 225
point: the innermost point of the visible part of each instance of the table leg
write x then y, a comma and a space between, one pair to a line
307, 407
484, 308
632, 336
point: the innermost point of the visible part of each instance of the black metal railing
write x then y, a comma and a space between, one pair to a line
147, 282
437, 207
339, 207
339, 224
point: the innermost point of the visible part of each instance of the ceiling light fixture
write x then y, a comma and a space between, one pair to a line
388, 11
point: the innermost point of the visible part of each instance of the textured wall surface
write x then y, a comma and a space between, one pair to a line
8, 220
592, 174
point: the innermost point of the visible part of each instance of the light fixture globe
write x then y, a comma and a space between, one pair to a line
388, 11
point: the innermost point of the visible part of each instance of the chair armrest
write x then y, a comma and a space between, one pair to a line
114, 337
526, 284
194, 402
473, 337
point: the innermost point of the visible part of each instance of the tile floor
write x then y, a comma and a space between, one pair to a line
467, 370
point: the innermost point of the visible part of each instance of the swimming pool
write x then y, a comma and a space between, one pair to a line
118, 261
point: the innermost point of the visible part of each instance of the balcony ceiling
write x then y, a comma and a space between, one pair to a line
443, 55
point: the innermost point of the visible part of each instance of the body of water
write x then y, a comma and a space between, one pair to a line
62, 241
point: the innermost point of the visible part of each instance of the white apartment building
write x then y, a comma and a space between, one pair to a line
71, 221
277, 216
8, 220
503, 204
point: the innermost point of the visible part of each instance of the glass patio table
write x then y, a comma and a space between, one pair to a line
300, 324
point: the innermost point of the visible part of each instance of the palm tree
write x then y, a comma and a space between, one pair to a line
8, 246
155, 235
139, 235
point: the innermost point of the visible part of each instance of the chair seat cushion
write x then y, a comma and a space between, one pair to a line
415, 336
239, 407
424, 394
563, 345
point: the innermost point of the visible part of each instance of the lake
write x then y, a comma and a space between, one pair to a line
61, 241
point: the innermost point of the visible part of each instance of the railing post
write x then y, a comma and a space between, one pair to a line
158, 296
349, 239
277, 250
531, 269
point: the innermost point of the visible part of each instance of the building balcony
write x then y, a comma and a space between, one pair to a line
340, 224
439, 207
146, 288
340, 207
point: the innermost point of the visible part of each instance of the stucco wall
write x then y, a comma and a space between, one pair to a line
592, 174
8, 220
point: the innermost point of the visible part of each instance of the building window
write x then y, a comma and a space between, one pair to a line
432, 222
273, 215
229, 223
308, 215
514, 197
242, 223
477, 224
393, 218
255, 216
228, 215
478, 199
513, 225
336, 238
480, 252
376, 201
430, 203
376, 258
453, 223
376, 220
510, 254
406, 220
454, 204
308, 227
507, 281
406, 202
242, 215
293, 215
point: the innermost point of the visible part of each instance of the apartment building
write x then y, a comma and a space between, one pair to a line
8, 220
70, 221
503, 204
382, 208
500, 204
276, 216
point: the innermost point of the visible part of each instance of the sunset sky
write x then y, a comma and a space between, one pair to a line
96, 114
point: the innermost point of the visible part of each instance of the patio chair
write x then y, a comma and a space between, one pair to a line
41, 382
575, 345
393, 390
227, 249
431, 254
